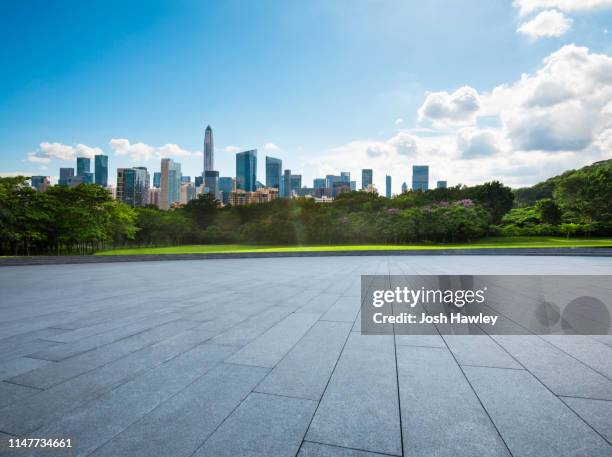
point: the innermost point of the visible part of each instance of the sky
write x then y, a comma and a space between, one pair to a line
478, 90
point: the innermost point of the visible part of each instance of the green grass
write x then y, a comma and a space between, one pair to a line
486, 243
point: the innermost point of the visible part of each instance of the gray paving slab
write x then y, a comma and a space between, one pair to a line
479, 350
343, 310
58, 372
13, 367
596, 413
102, 419
180, 425
309, 449
531, 420
589, 351
558, 371
249, 329
51, 404
305, 371
359, 408
268, 349
439, 407
263, 425
10, 393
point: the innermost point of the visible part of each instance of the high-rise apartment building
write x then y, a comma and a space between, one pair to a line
83, 165
420, 177
274, 172
246, 170
170, 183
388, 186
366, 178
209, 150
133, 186
101, 169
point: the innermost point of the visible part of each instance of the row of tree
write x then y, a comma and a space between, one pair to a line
86, 218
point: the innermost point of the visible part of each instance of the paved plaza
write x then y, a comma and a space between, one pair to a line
264, 357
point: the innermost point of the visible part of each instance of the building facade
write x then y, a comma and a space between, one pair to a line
246, 170
227, 185
133, 186
274, 172
211, 183
65, 175
264, 195
388, 186
101, 170
170, 183
83, 165
40, 183
441, 184
420, 177
157, 179
209, 150
366, 178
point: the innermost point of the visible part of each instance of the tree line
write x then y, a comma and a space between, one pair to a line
86, 218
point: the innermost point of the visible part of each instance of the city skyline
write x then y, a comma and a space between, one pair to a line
512, 96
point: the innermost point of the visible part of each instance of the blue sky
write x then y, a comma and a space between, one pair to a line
324, 85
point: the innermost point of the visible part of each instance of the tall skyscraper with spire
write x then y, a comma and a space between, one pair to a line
209, 150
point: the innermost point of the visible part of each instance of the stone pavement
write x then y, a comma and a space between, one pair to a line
263, 357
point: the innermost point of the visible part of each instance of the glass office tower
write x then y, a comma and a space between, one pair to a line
209, 150
366, 178
274, 172
157, 179
441, 184
211, 182
246, 170
101, 169
388, 186
133, 186
420, 177
83, 165
226, 186
65, 175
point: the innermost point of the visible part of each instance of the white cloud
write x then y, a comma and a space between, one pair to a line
232, 149
529, 6
141, 152
472, 142
550, 23
270, 147
58, 151
556, 118
399, 121
443, 108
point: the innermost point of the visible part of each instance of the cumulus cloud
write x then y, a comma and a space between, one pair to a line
58, 151
529, 6
553, 119
232, 149
141, 152
399, 121
444, 108
270, 147
473, 142
550, 23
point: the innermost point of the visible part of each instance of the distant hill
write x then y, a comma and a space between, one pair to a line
527, 196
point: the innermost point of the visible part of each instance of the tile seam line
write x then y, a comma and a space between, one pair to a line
349, 448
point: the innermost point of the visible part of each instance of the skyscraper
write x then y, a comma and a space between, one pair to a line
296, 182
274, 172
227, 185
209, 150
246, 170
133, 186
366, 178
83, 165
157, 179
441, 185
404, 187
65, 175
101, 169
420, 177
170, 183
388, 186
287, 184
211, 182
318, 183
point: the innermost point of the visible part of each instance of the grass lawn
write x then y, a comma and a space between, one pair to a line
487, 243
